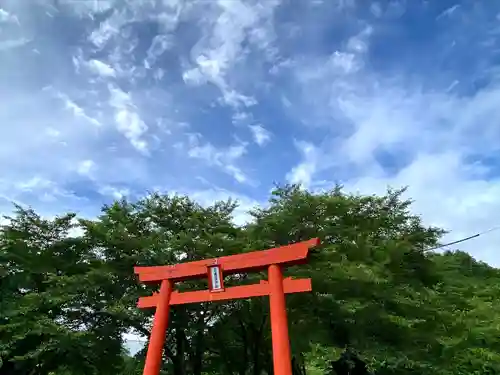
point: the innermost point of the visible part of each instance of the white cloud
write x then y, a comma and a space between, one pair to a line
223, 158
358, 43
131, 125
260, 134
35, 182
437, 139
114, 192
303, 172
51, 132
47, 190
108, 29
446, 196
127, 120
85, 167
241, 118
159, 45
221, 46
376, 9
448, 12
75, 108
6, 17
100, 68
86, 8
13, 43
355, 120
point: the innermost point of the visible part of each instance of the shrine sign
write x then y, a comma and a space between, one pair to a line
274, 260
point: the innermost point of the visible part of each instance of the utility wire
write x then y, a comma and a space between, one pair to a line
464, 239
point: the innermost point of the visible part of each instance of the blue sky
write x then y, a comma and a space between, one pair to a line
220, 98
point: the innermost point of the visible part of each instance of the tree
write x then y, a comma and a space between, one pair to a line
50, 320
369, 276
159, 230
382, 303
469, 294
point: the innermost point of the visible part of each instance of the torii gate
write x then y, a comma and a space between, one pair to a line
275, 287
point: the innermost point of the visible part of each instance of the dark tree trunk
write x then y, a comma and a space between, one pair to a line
179, 362
197, 360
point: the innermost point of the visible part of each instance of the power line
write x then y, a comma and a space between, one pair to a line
465, 239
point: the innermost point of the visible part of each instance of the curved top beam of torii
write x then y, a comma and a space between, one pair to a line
288, 255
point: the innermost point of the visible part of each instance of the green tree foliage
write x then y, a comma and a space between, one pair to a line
50, 303
382, 303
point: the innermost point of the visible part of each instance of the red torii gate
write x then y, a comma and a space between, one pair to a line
275, 287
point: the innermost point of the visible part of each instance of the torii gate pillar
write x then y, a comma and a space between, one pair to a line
159, 330
275, 287
282, 362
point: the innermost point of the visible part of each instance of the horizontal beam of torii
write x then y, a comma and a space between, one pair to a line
275, 287
285, 256
235, 292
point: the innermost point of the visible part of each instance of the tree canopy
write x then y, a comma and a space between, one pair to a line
381, 302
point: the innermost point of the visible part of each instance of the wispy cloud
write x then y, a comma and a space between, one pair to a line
304, 172
260, 134
217, 98
127, 120
384, 129
220, 52
224, 158
100, 68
